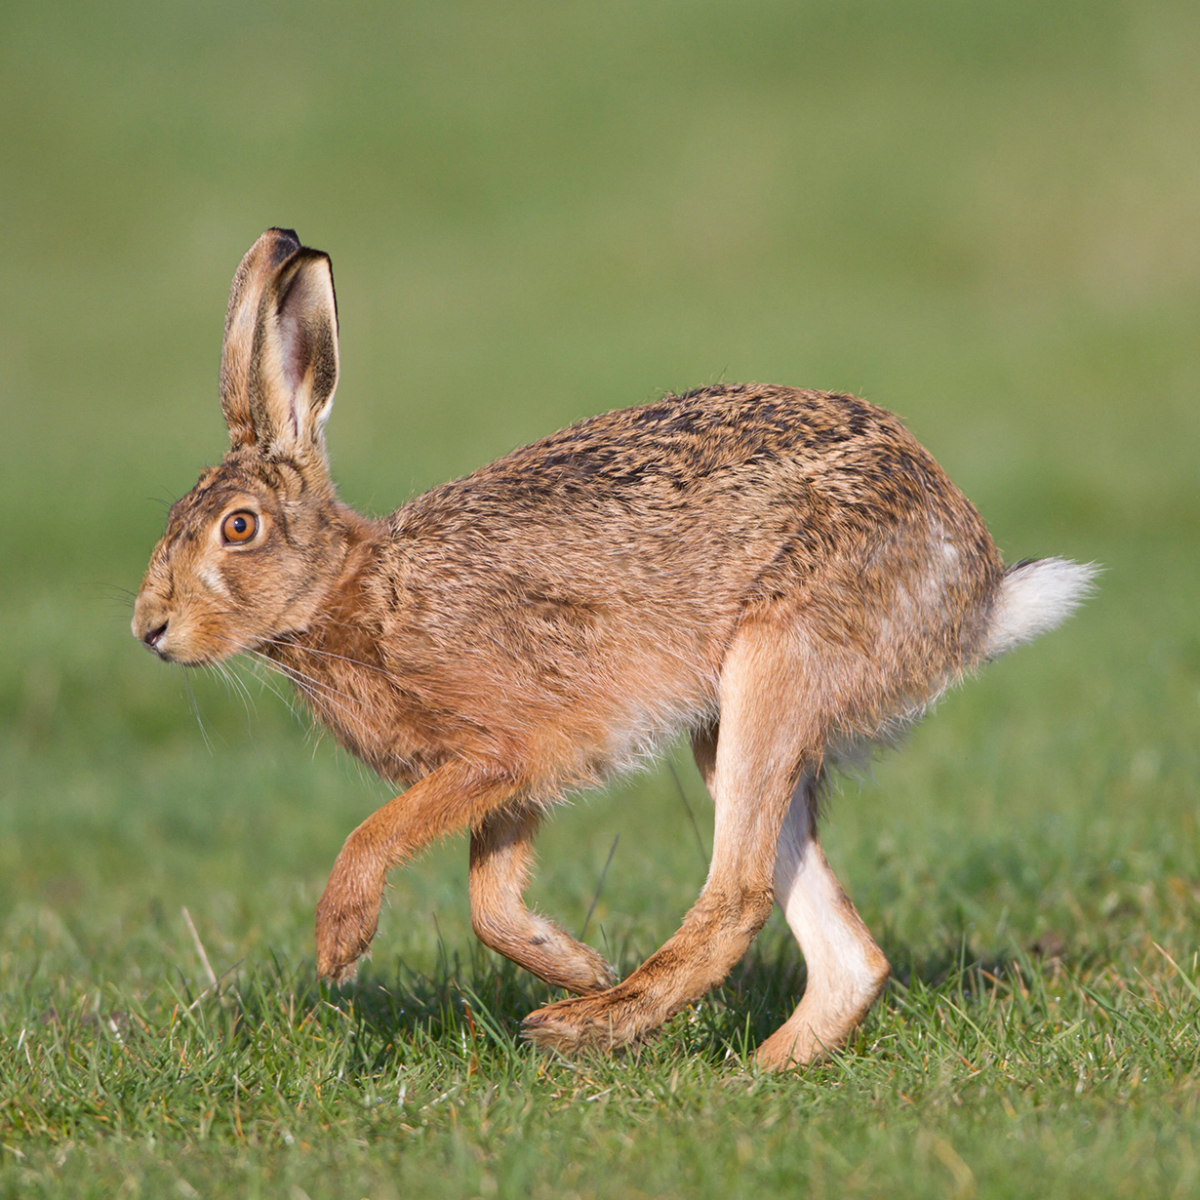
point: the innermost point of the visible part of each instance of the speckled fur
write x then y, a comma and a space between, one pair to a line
779, 572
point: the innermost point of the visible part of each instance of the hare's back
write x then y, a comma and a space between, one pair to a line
733, 471
680, 444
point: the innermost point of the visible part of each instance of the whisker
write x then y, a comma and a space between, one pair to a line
114, 593
266, 678
194, 705
234, 683
305, 682
356, 662
244, 648
322, 693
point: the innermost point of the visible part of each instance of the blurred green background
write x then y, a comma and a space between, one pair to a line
981, 215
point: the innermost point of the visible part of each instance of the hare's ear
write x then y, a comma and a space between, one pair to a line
294, 361
256, 271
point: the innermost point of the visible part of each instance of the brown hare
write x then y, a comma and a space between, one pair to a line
785, 575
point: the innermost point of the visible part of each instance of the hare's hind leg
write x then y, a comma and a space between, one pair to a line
501, 854
765, 738
846, 969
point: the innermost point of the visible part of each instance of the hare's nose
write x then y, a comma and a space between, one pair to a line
155, 636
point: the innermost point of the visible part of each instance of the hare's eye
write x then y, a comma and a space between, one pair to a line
239, 527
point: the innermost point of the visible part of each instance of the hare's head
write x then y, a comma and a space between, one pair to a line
250, 552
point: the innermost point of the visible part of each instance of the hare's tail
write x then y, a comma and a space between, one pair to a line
1035, 596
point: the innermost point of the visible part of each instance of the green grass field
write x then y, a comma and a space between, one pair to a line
980, 215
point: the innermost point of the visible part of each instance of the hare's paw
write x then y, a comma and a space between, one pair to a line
345, 926
608, 1021
591, 973
563, 962
343, 937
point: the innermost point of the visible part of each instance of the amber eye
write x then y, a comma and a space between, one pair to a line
239, 527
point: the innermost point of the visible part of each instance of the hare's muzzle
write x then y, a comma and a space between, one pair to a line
150, 623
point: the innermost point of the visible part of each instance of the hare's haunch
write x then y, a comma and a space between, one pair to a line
785, 575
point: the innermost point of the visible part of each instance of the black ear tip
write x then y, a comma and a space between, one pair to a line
281, 244
285, 243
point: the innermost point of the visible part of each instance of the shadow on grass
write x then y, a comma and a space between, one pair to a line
469, 1008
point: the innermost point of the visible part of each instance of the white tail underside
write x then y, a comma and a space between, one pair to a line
1034, 598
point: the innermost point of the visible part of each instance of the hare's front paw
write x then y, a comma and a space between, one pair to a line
346, 921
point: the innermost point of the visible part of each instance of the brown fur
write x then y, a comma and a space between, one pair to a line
782, 573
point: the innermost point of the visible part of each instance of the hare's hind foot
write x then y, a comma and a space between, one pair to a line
714, 935
814, 1031
611, 1020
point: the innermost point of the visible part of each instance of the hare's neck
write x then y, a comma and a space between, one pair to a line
336, 665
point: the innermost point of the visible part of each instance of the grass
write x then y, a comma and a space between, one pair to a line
419, 1084
978, 215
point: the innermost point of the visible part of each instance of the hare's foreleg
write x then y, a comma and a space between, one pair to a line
764, 739
846, 969
443, 802
501, 854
